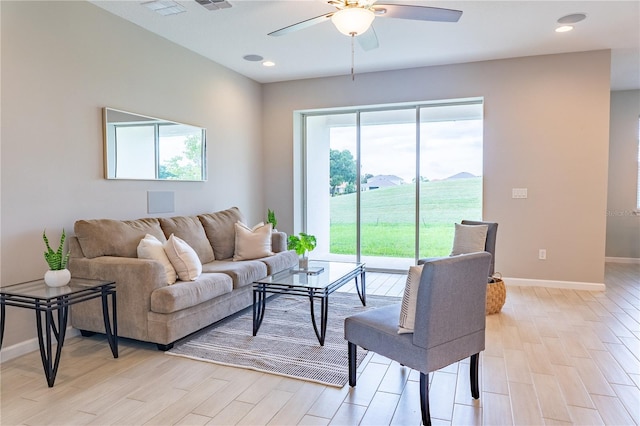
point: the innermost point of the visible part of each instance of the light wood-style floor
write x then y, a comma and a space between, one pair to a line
552, 357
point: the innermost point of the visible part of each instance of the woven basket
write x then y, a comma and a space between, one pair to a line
496, 294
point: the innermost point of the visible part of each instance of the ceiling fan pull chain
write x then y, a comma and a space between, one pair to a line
353, 36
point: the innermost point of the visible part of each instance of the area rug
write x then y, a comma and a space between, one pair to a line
286, 343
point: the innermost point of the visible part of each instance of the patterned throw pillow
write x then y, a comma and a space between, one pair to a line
409, 300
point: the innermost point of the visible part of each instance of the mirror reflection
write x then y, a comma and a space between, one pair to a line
147, 148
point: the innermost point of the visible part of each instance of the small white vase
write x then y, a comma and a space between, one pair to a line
303, 263
57, 278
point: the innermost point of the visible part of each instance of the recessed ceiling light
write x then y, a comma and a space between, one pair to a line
572, 19
268, 63
252, 58
564, 29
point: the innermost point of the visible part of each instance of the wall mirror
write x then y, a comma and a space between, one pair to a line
147, 148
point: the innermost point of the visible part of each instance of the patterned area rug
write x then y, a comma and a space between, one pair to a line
286, 343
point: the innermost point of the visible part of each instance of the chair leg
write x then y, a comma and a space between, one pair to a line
424, 399
352, 350
473, 376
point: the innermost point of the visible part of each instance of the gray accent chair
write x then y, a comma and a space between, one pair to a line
490, 244
449, 323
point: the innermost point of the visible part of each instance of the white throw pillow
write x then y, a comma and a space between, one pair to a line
183, 258
151, 248
252, 243
469, 239
409, 300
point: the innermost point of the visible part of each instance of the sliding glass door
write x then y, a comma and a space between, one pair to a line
385, 186
388, 191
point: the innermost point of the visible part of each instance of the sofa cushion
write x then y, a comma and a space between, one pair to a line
220, 230
190, 230
184, 294
242, 273
151, 248
108, 237
252, 243
183, 258
280, 261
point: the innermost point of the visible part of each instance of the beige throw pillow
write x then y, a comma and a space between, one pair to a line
183, 258
252, 243
151, 248
409, 300
469, 239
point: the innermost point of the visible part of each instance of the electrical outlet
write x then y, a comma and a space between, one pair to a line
542, 254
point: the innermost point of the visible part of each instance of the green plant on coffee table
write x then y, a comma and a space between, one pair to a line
301, 243
56, 259
271, 218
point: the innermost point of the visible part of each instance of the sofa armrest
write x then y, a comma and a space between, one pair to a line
278, 241
135, 280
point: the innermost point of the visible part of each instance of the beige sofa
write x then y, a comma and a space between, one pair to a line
148, 308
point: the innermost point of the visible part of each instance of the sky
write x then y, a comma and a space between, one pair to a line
447, 148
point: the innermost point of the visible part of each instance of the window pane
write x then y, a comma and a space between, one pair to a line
135, 152
180, 152
330, 179
388, 203
450, 173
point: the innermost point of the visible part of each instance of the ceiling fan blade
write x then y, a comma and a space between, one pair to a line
301, 25
419, 13
368, 40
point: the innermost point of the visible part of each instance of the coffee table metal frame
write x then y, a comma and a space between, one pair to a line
313, 286
44, 300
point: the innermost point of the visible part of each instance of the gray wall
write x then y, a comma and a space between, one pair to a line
623, 226
546, 129
61, 63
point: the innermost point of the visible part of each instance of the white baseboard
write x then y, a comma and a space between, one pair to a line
568, 285
635, 260
22, 348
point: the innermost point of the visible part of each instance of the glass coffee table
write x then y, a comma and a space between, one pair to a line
44, 300
318, 282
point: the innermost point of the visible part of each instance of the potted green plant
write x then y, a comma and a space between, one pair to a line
58, 275
271, 218
302, 244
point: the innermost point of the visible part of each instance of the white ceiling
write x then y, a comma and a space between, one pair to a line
487, 30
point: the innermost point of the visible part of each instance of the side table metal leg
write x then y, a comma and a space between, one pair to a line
112, 333
50, 362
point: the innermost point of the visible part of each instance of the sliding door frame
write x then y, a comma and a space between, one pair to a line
358, 111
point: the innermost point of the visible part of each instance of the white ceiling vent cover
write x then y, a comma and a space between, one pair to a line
214, 4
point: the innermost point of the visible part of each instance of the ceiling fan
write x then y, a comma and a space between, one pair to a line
354, 18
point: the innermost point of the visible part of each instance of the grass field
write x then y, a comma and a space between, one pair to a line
388, 218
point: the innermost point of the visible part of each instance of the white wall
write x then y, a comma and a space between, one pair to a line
623, 226
61, 63
546, 129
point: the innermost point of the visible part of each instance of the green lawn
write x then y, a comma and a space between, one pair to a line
388, 218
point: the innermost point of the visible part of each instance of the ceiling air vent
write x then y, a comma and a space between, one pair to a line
214, 4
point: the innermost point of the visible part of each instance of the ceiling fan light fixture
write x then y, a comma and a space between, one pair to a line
353, 20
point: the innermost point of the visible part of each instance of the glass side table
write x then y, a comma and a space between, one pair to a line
44, 300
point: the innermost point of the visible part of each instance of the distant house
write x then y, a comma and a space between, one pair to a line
382, 181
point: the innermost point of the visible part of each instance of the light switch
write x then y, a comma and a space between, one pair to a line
518, 192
